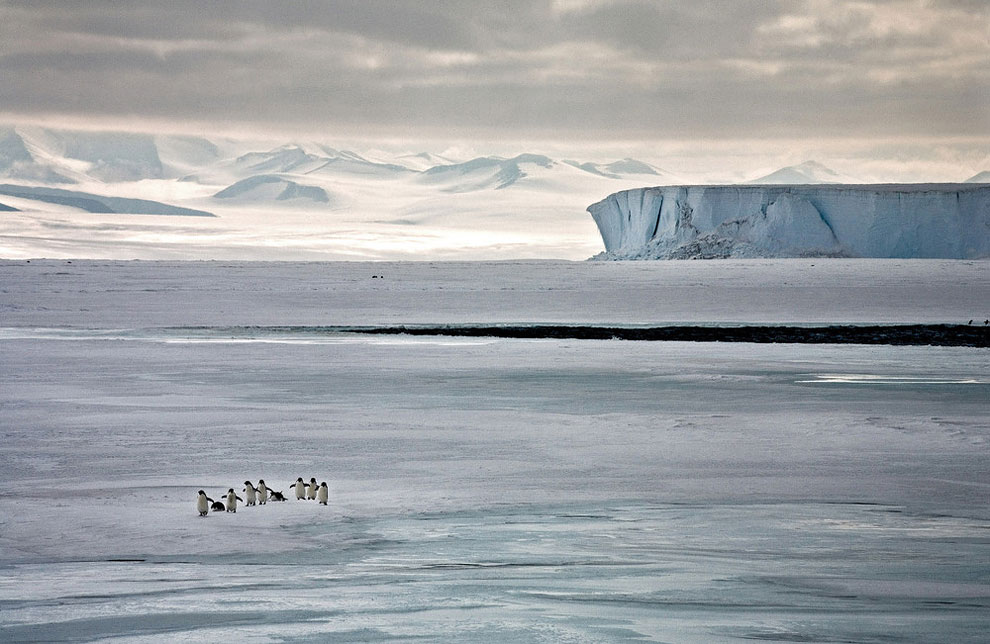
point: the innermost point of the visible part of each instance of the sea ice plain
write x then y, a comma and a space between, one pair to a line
490, 489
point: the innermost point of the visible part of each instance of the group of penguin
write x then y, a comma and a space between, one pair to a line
259, 495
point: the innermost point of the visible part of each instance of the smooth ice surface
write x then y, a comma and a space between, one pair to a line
106, 294
486, 490
898, 220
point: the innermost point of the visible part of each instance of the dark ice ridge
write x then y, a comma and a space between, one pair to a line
910, 334
974, 334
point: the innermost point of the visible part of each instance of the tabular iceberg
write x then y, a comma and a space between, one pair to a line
948, 221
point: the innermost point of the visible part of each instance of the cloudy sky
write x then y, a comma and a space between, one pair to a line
575, 70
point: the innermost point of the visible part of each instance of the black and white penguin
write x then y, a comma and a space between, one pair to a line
217, 506
300, 486
278, 496
203, 503
262, 492
252, 493
311, 489
323, 494
232, 500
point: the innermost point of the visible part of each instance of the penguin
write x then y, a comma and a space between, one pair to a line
232, 500
300, 489
311, 488
217, 506
278, 496
252, 493
323, 494
203, 503
262, 492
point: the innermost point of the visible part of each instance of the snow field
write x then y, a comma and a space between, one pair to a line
92, 294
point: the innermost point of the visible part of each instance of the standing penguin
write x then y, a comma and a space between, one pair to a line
252, 493
311, 489
323, 494
300, 489
232, 500
203, 503
262, 492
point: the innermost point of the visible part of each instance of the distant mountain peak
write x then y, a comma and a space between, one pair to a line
12, 149
618, 169
481, 173
631, 166
808, 172
422, 161
271, 187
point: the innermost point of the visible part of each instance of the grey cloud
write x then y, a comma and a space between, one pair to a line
726, 68
684, 30
444, 24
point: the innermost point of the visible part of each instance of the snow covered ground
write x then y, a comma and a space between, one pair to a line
490, 489
295, 201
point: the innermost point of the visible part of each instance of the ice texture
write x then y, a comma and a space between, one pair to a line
492, 489
489, 490
949, 221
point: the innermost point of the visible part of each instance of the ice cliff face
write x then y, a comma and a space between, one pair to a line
702, 222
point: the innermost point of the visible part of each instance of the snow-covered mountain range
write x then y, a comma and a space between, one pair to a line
294, 171
72, 193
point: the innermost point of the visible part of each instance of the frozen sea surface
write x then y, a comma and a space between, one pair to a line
105, 294
487, 489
